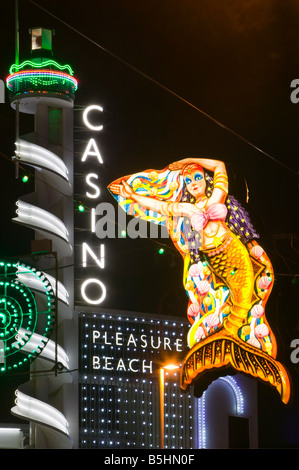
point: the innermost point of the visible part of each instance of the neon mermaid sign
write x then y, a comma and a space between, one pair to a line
227, 275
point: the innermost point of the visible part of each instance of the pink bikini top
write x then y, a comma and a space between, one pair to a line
215, 212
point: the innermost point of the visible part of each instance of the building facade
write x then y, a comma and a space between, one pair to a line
121, 355
41, 87
101, 381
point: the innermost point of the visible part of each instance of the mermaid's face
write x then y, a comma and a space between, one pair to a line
196, 183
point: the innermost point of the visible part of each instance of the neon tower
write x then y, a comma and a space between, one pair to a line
42, 87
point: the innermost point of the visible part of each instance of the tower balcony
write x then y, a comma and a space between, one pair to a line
41, 78
32, 82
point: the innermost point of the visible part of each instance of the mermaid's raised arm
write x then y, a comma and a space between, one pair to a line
167, 208
220, 190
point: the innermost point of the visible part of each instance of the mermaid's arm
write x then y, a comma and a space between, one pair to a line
206, 163
163, 207
220, 175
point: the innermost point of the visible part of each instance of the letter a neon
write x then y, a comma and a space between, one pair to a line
92, 149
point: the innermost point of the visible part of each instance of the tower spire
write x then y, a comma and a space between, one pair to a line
17, 33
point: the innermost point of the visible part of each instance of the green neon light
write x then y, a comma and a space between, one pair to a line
41, 81
41, 78
47, 63
23, 316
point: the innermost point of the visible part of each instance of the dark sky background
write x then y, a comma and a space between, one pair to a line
233, 61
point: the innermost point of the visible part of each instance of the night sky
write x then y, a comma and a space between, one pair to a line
204, 78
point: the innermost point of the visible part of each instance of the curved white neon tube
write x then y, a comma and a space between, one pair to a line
48, 352
32, 281
40, 157
41, 412
237, 392
36, 217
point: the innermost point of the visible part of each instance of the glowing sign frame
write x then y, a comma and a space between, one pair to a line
92, 151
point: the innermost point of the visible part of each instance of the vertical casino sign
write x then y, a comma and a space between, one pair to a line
90, 289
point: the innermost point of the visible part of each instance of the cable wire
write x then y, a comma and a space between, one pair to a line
165, 88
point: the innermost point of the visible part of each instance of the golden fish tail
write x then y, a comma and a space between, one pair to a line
232, 264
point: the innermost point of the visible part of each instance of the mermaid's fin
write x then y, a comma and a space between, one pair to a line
219, 351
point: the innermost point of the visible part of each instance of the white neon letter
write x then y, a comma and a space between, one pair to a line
95, 335
150, 367
92, 149
130, 365
96, 362
108, 365
101, 297
92, 185
85, 117
100, 261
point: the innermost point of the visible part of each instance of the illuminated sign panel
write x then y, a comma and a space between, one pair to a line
119, 382
127, 345
90, 255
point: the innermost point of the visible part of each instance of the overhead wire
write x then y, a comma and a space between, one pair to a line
167, 89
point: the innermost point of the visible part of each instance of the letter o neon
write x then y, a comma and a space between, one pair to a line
87, 299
